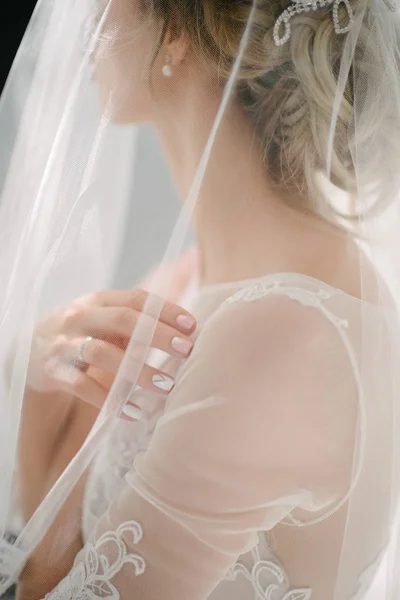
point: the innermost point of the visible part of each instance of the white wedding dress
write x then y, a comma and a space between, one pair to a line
272, 469
239, 489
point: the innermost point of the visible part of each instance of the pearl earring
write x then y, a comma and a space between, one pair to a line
167, 69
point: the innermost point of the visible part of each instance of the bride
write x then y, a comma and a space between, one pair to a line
255, 456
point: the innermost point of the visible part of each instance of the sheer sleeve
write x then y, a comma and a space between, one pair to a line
259, 427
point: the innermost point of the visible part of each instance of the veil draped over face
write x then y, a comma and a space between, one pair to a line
280, 442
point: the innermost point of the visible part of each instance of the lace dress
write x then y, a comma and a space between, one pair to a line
257, 505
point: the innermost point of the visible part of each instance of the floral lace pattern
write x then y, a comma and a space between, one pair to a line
268, 579
91, 578
312, 298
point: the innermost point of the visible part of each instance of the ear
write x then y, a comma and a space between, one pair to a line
177, 44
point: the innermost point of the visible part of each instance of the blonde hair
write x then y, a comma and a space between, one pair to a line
287, 91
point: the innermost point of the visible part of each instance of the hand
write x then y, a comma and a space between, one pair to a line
108, 318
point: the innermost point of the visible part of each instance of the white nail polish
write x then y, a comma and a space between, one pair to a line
163, 382
132, 412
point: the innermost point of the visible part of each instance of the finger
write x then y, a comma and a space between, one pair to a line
96, 353
106, 357
171, 314
88, 390
156, 380
81, 386
131, 412
112, 324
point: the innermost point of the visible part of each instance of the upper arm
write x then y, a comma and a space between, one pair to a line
269, 389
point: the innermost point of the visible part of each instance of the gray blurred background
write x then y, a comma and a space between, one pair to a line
147, 244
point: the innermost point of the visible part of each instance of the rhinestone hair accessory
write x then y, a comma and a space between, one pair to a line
301, 6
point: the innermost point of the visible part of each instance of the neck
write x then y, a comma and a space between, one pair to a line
237, 212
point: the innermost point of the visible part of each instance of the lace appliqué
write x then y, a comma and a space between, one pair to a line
91, 578
312, 298
268, 579
270, 582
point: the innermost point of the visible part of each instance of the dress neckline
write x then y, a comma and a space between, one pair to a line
284, 277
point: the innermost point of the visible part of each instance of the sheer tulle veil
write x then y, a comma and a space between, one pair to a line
74, 128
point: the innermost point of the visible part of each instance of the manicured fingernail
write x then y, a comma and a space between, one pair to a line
186, 322
133, 412
181, 345
163, 382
